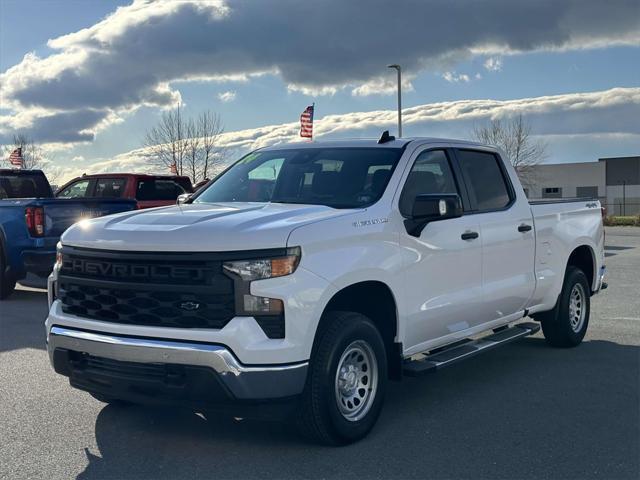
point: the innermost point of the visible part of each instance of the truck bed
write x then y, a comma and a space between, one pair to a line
24, 253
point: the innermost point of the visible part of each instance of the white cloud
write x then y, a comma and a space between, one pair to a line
493, 64
134, 56
608, 113
228, 96
383, 86
78, 158
313, 91
453, 77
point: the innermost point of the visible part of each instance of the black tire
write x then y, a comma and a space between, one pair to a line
110, 400
7, 283
320, 417
557, 325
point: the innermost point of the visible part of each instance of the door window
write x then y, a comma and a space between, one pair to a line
485, 180
110, 187
78, 189
431, 173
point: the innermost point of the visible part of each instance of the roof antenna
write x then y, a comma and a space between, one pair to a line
385, 137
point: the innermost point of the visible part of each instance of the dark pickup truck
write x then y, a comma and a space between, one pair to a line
32, 220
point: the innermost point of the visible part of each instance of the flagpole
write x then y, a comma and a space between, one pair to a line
313, 105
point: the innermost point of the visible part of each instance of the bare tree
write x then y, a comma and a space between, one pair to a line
209, 130
166, 143
32, 153
192, 145
513, 136
192, 157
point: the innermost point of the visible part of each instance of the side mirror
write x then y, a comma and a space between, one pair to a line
183, 198
431, 208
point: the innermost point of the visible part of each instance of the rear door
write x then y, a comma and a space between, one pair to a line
506, 234
110, 187
443, 273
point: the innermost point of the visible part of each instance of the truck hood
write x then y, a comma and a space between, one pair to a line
199, 227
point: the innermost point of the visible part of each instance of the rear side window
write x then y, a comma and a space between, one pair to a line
430, 174
110, 187
23, 186
77, 189
485, 180
158, 189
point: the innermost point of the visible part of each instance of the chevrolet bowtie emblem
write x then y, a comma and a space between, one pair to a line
189, 306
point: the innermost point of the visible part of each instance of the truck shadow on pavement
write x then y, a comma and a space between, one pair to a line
22, 317
522, 411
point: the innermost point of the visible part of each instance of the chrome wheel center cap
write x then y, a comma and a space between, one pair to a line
352, 380
348, 379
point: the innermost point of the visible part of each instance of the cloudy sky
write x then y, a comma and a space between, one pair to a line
88, 78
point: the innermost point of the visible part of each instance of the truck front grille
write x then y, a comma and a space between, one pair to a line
176, 290
146, 306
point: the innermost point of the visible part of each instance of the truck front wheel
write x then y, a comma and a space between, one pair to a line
345, 387
566, 325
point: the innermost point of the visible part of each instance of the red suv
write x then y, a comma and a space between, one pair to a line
148, 190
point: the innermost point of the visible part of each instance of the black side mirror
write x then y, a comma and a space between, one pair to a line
431, 208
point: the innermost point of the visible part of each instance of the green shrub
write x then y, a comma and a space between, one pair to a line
620, 221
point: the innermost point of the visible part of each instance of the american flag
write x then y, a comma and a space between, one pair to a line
16, 159
306, 122
173, 168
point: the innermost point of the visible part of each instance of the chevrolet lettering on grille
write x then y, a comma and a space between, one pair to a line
123, 270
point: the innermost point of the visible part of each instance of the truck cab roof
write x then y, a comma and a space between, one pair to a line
371, 142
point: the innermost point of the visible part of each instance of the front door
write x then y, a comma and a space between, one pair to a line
443, 274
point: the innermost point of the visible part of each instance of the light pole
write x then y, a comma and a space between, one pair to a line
399, 70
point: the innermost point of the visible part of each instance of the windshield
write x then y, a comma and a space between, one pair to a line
336, 177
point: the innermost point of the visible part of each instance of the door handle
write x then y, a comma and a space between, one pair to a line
469, 235
524, 228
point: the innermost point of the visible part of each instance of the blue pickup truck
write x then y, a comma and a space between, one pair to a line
32, 220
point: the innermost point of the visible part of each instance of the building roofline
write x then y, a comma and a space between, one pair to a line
629, 157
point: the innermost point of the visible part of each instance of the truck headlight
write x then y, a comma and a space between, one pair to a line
259, 269
246, 271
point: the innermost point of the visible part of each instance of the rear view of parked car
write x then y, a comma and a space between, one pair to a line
31, 222
148, 190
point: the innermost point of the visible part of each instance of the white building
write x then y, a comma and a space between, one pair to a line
615, 181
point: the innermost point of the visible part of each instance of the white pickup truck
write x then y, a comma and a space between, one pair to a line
306, 276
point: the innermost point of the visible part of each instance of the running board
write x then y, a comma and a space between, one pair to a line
443, 357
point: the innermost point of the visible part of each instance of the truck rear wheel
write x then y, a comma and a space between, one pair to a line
346, 383
566, 325
7, 283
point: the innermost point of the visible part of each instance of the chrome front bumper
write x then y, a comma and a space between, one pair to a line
243, 381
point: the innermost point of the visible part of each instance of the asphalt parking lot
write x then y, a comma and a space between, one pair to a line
521, 411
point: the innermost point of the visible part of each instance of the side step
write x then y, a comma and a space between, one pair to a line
446, 356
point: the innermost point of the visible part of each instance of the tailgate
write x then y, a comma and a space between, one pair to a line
61, 213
